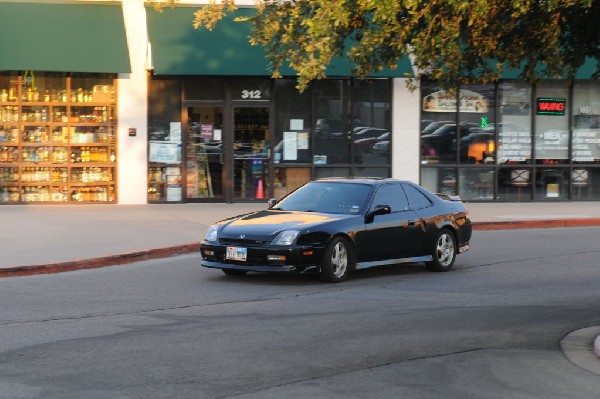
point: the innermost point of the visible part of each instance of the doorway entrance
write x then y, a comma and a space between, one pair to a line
227, 154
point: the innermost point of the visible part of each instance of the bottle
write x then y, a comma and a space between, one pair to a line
4, 96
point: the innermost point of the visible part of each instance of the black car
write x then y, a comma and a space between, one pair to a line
333, 226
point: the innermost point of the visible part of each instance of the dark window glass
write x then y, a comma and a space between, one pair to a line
416, 199
514, 127
88, 87
551, 183
327, 197
251, 89
332, 172
207, 88
293, 136
514, 183
332, 138
438, 124
477, 124
164, 107
392, 195
372, 172
371, 122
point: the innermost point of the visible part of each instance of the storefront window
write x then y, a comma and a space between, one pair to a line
552, 123
514, 127
57, 138
586, 123
331, 138
165, 141
288, 179
438, 124
371, 122
292, 124
477, 125
514, 184
551, 183
439, 180
477, 183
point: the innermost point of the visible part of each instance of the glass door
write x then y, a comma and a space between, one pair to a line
204, 153
251, 153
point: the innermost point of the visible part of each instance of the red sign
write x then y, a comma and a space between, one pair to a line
551, 106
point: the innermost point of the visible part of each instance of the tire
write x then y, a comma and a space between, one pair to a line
337, 261
234, 272
444, 252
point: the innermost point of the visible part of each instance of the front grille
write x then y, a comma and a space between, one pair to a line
242, 242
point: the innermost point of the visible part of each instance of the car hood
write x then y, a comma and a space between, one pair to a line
265, 225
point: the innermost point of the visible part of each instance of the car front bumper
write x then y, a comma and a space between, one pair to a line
298, 259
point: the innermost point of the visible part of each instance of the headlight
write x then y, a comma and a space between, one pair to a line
211, 234
286, 237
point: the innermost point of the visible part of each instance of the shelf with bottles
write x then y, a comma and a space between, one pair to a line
94, 175
93, 193
9, 175
157, 183
9, 154
9, 134
92, 154
10, 194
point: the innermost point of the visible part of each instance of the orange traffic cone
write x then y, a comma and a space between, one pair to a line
260, 193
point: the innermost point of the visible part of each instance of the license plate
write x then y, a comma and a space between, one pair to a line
236, 253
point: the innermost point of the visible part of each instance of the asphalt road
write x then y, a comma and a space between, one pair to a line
166, 328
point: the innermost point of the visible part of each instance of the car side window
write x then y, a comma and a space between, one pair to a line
392, 195
416, 199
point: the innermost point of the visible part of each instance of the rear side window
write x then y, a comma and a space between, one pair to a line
392, 195
416, 199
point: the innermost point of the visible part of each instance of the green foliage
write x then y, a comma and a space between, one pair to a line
452, 41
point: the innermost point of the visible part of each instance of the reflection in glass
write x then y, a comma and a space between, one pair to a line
286, 180
477, 124
514, 127
514, 184
583, 183
332, 141
439, 180
551, 183
552, 123
438, 124
371, 122
477, 184
586, 123
293, 138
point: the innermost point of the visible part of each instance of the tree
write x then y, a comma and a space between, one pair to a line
451, 41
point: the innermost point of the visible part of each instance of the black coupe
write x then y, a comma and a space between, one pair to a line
333, 226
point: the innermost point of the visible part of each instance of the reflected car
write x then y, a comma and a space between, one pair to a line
366, 144
331, 227
382, 147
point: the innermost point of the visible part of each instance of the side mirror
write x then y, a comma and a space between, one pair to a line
271, 203
379, 210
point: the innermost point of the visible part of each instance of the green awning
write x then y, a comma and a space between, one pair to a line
583, 73
67, 37
179, 49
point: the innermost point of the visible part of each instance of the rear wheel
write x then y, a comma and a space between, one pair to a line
444, 252
337, 261
234, 272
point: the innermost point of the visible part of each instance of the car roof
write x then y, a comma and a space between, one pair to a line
361, 180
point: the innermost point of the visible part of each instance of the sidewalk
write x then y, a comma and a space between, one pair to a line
50, 238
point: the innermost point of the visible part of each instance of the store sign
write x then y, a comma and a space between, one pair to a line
551, 106
444, 101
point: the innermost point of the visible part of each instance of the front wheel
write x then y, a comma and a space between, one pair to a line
444, 252
337, 260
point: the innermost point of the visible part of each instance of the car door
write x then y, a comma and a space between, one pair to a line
426, 216
393, 235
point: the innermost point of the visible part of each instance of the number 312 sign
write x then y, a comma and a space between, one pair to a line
251, 94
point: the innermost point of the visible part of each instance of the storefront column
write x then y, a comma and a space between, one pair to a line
132, 111
405, 125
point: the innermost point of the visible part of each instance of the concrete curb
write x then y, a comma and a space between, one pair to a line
155, 253
102, 261
536, 224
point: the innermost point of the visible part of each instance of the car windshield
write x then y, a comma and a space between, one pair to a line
327, 197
